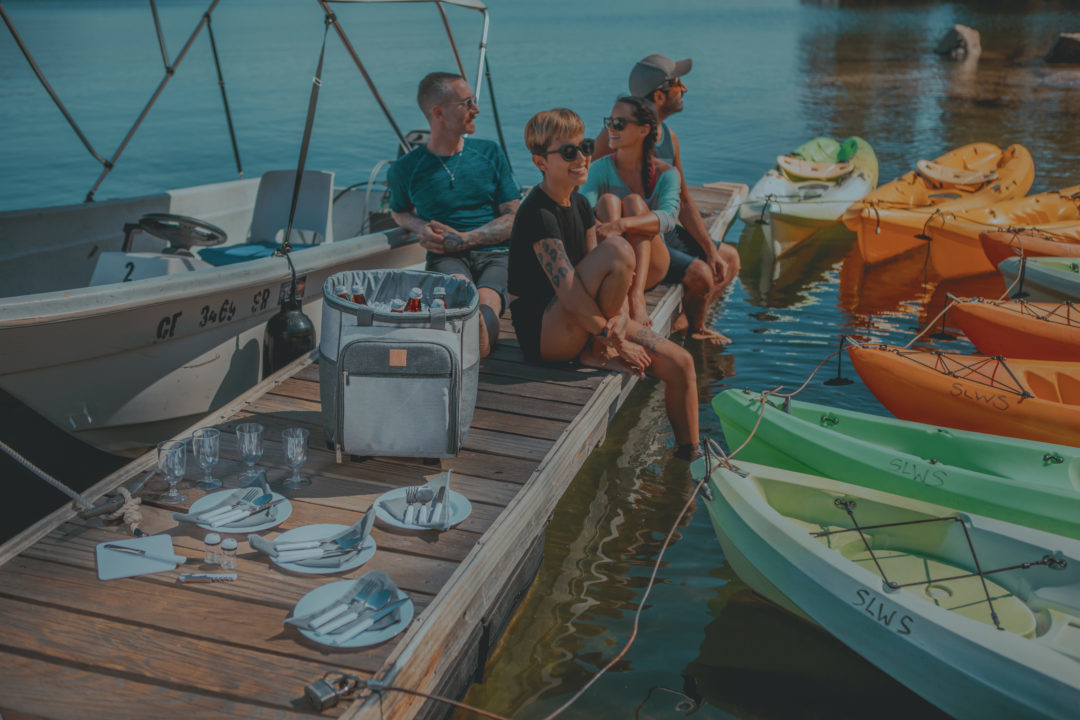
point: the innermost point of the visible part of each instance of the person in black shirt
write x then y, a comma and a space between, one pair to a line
571, 293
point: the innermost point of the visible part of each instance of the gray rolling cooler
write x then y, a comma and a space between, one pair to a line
398, 384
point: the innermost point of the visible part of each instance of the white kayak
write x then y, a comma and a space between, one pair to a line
904, 590
810, 189
1048, 279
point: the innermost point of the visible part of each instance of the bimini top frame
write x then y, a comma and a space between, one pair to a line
481, 62
170, 69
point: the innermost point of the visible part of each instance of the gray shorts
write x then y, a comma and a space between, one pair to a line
486, 268
683, 250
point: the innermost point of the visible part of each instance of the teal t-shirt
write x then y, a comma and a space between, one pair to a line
664, 200
463, 191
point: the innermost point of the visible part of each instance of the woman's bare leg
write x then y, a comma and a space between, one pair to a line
605, 275
675, 367
652, 261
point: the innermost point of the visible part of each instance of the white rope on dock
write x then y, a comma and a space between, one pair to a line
79, 499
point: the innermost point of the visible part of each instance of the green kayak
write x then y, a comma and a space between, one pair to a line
1019, 481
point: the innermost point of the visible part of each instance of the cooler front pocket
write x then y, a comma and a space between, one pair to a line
398, 397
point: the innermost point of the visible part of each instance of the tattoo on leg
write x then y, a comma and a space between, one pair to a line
648, 339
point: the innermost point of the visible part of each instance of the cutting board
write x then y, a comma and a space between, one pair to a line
113, 564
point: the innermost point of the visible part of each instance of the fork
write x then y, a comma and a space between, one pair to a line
411, 497
224, 507
356, 605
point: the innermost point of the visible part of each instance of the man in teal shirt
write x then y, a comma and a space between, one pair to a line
459, 197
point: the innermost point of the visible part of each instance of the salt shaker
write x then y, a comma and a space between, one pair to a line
212, 549
228, 554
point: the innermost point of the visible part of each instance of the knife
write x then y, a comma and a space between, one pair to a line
439, 497
367, 622
171, 559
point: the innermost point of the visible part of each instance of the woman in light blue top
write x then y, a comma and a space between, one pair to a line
635, 195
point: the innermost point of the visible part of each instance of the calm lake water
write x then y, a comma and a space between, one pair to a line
767, 76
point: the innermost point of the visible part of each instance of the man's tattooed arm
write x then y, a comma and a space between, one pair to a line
490, 233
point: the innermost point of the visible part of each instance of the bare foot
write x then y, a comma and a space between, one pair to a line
680, 324
485, 343
711, 336
639, 312
590, 359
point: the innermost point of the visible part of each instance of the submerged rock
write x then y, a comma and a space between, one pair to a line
960, 43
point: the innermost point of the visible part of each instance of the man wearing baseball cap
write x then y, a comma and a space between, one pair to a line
703, 268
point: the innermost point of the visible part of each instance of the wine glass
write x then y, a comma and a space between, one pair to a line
249, 438
206, 445
172, 462
294, 441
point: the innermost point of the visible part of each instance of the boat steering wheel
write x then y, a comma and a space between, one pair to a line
181, 232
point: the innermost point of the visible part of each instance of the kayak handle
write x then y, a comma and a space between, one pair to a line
1053, 458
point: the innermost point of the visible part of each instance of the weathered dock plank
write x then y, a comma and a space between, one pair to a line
148, 646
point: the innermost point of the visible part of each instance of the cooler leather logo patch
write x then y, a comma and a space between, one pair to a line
398, 357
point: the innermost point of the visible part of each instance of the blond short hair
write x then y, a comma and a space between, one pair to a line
543, 127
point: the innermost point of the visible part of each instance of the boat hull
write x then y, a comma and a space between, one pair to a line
1040, 331
1004, 478
955, 249
1033, 399
1045, 278
999, 245
959, 662
793, 209
120, 365
894, 219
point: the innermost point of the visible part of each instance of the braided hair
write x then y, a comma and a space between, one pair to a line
643, 112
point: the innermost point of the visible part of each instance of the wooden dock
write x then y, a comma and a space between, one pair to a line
147, 646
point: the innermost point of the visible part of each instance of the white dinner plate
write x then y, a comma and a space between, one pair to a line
460, 508
280, 513
316, 532
325, 595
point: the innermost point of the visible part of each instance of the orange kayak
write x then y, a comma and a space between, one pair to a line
955, 249
1018, 329
1034, 399
894, 222
1002, 244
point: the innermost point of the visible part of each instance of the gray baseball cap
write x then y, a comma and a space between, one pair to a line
651, 72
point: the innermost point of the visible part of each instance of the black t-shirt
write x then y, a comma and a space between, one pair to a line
537, 218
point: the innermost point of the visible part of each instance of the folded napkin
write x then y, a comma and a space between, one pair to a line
318, 552
344, 609
227, 500
434, 514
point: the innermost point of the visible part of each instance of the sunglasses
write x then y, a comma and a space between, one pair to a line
569, 151
467, 102
669, 84
617, 123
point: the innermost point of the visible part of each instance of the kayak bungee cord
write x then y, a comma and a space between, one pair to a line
1050, 561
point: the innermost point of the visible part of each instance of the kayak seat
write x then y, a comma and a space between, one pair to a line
1041, 387
799, 169
1069, 387
938, 173
961, 595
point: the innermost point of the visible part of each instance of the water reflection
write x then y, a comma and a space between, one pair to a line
779, 650
781, 282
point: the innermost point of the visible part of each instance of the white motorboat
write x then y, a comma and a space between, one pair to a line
118, 327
